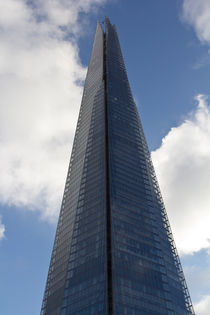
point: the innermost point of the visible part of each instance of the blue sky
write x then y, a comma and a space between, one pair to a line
45, 48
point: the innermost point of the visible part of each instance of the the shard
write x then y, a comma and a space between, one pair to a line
113, 251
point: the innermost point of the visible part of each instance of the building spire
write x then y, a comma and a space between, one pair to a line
114, 251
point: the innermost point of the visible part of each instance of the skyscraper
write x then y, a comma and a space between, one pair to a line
114, 251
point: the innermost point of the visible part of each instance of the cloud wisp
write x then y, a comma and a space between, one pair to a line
40, 87
182, 165
197, 14
2, 229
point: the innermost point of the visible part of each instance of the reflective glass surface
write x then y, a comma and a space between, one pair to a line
76, 281
113, 251
146, 274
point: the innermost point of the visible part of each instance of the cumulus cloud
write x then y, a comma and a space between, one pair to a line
41, 80
2, 229
182, 165
197, 14
203, 307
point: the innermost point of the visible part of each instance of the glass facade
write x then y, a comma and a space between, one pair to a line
147, 276
113, 252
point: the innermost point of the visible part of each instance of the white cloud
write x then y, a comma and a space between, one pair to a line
2, 229
203, 307
40, 87
182, 165
197, 14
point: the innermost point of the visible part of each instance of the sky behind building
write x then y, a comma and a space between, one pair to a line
45, 49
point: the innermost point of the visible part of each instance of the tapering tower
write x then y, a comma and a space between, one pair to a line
114, 252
